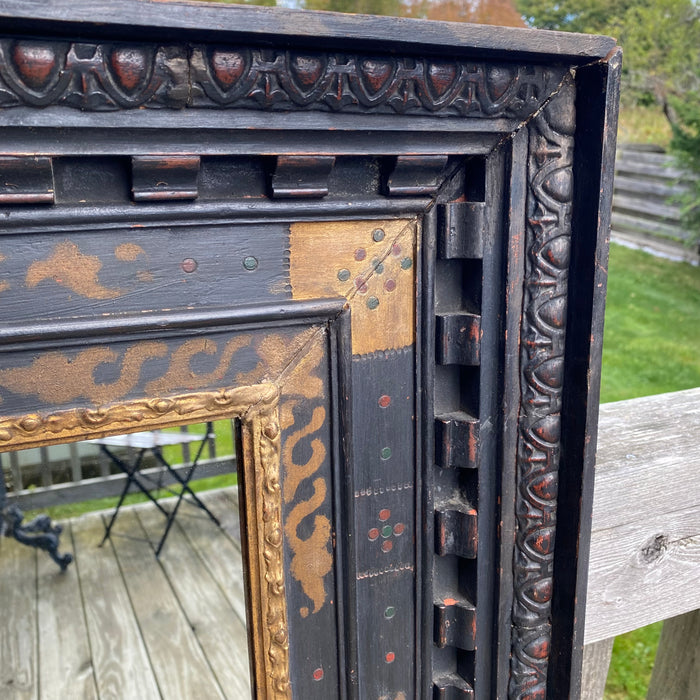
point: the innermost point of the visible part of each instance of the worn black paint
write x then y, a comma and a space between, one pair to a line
248, 163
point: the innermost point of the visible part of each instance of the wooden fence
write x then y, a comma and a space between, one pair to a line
646, 183
60, 474
645, 545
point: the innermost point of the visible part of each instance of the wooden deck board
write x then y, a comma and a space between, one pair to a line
122, 669
18, 628
215, 623
220, 555
120, 623
65, 661
176, 657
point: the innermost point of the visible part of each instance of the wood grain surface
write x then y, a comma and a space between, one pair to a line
18, 628
121, 624
323, 28
645, 546
65, 660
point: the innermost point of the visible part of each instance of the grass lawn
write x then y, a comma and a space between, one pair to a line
651, 346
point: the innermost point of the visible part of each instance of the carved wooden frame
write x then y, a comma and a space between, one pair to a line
536, 107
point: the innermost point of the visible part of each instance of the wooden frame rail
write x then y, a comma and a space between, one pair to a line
645, 542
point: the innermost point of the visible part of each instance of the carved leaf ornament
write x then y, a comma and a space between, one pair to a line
104, 77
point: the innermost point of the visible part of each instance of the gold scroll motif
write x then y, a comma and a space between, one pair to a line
57, 377
371, 264
293, 365
257, 408
68, 267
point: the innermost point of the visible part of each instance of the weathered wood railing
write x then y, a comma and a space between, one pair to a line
646, 183
645, 544
48, 476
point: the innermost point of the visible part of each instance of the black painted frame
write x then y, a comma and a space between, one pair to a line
501, 145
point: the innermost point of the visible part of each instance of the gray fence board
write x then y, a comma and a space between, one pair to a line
646, 183
645, 543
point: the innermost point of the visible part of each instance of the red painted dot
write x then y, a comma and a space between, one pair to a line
396, 250
318, 674
361, 285
390, 285
360, 254
387, 545
373, 534
390, 657
399, 528
384, 401
384, 514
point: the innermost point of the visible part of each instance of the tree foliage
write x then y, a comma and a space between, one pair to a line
661, 44
686, 146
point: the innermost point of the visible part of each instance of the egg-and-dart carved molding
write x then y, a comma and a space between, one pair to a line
109, 77
543, 334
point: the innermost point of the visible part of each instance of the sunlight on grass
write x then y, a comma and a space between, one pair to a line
651, 346
643, 125
633, 661
652, 326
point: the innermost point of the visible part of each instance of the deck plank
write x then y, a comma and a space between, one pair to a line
120, 660
18, 628
218, 552
178, 661
219, 630
65, 661
224, 504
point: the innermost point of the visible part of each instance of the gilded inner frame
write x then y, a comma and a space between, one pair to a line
257, 408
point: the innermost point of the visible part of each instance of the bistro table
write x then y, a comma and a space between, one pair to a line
153, 442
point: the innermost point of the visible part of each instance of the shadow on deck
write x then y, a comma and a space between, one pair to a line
121, 624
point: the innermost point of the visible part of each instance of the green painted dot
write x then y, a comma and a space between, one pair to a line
386, 452
378, 235
250, 263
372, 303
344, 275
387, 531
406, 263
390, 612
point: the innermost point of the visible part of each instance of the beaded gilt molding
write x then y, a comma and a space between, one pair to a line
257, 408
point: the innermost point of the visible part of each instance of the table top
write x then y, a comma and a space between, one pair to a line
148, 440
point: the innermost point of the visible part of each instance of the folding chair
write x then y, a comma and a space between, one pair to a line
153, 442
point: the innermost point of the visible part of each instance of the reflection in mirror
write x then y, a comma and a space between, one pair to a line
121, 622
